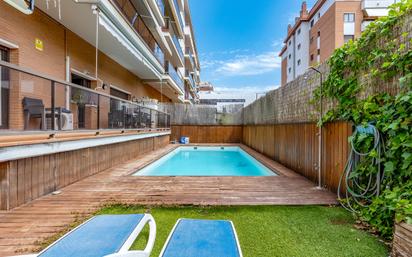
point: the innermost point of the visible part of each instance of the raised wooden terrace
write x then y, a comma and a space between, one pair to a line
24, 228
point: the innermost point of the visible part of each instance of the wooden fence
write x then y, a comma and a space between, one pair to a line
402, 240
296, 146
208, 134
26, 179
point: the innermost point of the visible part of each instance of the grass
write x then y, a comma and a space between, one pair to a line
271, 230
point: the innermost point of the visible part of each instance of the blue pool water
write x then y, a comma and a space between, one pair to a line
206, 161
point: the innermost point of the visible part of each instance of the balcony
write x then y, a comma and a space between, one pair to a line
174, 75
161, 6
158, 9
191, 81
178, 46
376, 8
174, 14
179, 16
190, 60
132, 15
36, 102
126, 34
177, 56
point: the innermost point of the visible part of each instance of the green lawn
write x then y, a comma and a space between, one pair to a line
272, 230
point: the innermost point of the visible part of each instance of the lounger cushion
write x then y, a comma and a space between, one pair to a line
100, 236
202, 238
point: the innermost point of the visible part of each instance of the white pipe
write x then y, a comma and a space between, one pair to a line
68, 80
96, 11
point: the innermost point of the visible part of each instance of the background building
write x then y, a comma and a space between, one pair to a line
226, 101
327, 26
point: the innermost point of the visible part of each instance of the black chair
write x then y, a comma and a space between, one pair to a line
34, 108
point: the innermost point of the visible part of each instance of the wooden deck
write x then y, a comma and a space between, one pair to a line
24, 228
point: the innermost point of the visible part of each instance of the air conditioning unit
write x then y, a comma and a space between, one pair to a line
66, 122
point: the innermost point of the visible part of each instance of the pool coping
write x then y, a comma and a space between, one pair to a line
273, 166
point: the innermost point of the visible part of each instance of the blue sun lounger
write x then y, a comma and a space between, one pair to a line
104, 235
202, 238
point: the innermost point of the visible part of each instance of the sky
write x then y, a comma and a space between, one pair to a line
239, 40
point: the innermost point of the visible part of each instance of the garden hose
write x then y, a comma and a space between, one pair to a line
362, 188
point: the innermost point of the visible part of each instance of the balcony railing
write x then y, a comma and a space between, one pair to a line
158, 53
129, 10
191, 80
179, 16
178, 46
161, 6
171, 28
32, 101
190, 54
172, 72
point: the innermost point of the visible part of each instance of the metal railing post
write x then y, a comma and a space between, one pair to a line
53, 106
98, 111
150, 120
139, 115
157, 120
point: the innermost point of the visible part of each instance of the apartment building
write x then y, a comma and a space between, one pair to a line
319, 31
134, 50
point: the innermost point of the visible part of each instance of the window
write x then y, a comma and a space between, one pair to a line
290, 56
319, 33
312, 22
81, 98
299, 46
290, 70
4, 89
299, 62
290, 42
318, 51
119, 93
311, 57
347, 38
311, 40
78, 80
349, 17
318, 15
299, 31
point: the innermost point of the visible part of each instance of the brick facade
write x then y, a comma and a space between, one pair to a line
58, 42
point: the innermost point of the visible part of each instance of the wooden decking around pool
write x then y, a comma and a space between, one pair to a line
22, 229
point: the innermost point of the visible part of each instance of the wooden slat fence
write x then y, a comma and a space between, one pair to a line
296, 146
208, 134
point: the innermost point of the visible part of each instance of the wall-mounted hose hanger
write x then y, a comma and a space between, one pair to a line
26, 7
358, 182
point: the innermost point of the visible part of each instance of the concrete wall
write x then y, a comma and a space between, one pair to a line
186, 114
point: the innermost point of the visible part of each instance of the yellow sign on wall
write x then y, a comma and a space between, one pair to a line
38, 44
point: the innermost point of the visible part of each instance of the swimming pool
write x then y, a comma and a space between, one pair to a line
206, 161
